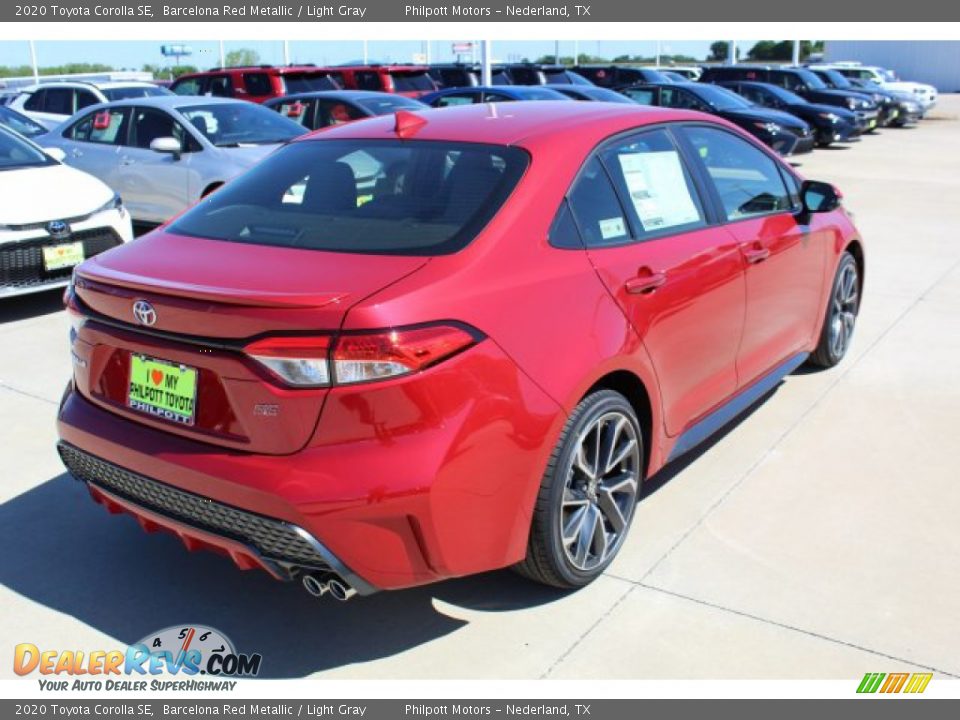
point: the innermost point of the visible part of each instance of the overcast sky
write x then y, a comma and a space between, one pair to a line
132, 55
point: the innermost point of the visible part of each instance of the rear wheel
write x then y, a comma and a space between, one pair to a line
841, 318
587, 495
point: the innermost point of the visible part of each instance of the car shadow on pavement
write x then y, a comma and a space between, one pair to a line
60, 549
25, 307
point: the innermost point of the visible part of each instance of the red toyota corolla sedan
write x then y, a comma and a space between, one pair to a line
428, 345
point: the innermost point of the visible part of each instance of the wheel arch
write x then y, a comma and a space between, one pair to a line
632, 387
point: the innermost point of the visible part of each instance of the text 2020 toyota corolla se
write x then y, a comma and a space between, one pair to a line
428, 345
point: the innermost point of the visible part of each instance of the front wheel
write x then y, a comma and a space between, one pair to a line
587, 495
841, 317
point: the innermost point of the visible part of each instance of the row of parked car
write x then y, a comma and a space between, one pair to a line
162, 149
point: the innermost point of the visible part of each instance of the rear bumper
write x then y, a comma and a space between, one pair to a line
404, 484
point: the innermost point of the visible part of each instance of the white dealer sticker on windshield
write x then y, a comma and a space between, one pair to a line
612, 228
658, 189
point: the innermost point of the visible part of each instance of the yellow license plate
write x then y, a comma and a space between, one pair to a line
163, 389
58, 257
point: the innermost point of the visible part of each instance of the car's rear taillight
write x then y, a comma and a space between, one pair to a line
318, 361
300, 361
375, 356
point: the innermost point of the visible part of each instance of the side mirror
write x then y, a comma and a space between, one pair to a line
819, 197
56, 153
168, 145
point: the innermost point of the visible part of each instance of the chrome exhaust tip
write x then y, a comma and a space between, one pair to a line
314, 585
339, 590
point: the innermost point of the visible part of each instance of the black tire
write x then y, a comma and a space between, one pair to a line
547, 559
829, 351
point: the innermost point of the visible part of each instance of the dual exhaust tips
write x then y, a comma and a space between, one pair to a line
318, 585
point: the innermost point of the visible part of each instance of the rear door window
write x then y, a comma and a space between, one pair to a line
596, 207
257, 84
59, 101
107, 127
220, 86
335, 112
364, 196
658, 190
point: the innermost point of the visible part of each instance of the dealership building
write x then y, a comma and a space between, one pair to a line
936, 62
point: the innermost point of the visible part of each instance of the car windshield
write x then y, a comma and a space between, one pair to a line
233, 124
810, 79
307, 82
412, 81
605, 95
385, 104
15, 152
785, 95
134, 92
837, 79
719, 98
363, 196
20, 123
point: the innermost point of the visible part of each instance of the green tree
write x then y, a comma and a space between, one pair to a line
241, 57
782, 50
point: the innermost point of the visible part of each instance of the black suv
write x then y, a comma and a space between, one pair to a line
801, 81
542, 74
614, 76
453, 75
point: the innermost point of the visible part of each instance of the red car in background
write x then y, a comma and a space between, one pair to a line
428, 345
256, 83
409, 80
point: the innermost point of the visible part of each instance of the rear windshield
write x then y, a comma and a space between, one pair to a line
134, 92
15, 152
20, 123
294, 83
363, 196
405, 82
383, 104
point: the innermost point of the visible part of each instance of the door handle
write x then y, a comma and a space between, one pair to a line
756, 255
645, 281
76, 152
127, 160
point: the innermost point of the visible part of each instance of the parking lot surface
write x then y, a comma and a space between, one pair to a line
815, 538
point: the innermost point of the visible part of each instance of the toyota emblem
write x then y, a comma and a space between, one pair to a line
144, 312
58, 229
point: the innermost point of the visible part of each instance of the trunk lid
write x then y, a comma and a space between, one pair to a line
209, 298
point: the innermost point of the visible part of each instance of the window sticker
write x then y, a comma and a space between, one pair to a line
612, 228
658, 189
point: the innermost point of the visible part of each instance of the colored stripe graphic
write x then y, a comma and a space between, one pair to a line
918, 683
894, 682
870, 682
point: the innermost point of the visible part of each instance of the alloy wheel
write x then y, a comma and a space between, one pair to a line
602, 479
843, 311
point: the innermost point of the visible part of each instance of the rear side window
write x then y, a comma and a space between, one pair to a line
747, 179
58, 101
367, 80
596, 208
294, 83
34, 103
363, 196
412, 82
220, 86
257, 84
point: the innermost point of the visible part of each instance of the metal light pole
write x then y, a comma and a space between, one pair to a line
286, 52
486, 72
366, 54
223, 55
731, 52
33, 61
796, 52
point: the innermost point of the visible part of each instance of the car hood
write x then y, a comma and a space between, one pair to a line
832, 109
50, 192
907, 86
765, 115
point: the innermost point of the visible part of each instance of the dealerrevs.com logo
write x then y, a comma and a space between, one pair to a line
171, 659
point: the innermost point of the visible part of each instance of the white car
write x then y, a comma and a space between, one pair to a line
52, 217
50, 103
924, 94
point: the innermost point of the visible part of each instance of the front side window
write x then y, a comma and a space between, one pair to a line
676, 98
363, 196
190, 86
149, 124
649, 172
368, 80
747, 180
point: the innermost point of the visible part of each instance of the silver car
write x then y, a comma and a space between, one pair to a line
164, 153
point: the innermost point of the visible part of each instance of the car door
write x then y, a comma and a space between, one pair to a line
676, 274
784, 260
155, 186
93, 142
